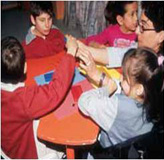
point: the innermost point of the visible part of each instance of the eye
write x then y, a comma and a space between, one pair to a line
42, 20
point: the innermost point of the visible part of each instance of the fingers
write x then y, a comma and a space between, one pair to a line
84, 58
82, 66
85, 55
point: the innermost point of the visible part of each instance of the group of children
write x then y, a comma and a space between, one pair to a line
122, 110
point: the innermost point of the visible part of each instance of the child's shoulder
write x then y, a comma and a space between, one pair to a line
113, 27
55, 30
127, 101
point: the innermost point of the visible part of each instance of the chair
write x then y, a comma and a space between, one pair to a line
147, 146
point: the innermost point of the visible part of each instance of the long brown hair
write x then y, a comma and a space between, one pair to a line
142, 67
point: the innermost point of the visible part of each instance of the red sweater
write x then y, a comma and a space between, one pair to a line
21, 107
39, 47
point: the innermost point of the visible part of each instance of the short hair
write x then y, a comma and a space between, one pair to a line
115, 8
141, 66
39, 7
154, 11
12, 61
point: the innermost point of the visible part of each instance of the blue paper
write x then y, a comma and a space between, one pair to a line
47, 77
77, 77
44, 78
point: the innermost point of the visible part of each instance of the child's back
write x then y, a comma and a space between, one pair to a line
132, 111
20, 105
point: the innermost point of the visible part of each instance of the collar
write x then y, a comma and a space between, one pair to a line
11, 87
30, 36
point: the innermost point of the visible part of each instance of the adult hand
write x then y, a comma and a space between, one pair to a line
96, 45
71, 45
87, 63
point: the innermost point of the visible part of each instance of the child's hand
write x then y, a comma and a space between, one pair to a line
71, 45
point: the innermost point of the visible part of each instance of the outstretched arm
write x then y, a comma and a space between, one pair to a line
99, 55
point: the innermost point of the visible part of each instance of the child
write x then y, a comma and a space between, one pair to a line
43, 39
123, 17
131, 112
20, 105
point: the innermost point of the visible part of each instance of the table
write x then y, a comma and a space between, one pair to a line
73, 130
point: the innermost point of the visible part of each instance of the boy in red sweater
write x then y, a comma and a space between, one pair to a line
43, 38
20, 105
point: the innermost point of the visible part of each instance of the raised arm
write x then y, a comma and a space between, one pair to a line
100, 78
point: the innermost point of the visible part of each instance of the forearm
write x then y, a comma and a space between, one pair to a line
107, 81
99, 55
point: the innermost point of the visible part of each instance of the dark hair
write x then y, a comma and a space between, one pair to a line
154, 11
39, 7
141, 65
12, 61
115, 8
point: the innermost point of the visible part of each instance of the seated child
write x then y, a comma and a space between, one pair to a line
123, 17
134, 107
21, 105
43, 39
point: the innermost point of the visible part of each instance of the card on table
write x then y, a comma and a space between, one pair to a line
46, 77
76, 92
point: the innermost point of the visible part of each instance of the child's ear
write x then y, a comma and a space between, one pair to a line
119, 20
139, 89
32, 19
161, 36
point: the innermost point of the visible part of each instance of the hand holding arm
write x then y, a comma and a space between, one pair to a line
99, 55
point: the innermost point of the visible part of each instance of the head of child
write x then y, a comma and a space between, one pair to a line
41, 17
12, 61
143, 79
123, 13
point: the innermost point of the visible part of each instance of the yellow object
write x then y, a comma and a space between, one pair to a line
113, 73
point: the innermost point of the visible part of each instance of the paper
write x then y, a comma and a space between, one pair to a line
44, 78
47, 77
70, 104
76, 92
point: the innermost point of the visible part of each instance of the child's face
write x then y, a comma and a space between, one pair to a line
129, 20
43, 23
131, 89
125, 85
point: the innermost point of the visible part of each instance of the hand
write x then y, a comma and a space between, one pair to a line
71, 45
87, 63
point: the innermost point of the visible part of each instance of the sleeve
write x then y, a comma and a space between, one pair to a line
99, 106
40, 100
100, 38
115, 56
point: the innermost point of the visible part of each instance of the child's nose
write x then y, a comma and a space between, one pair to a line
47, 24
